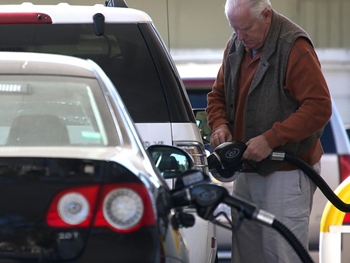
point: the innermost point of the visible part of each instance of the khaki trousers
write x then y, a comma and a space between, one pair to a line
286, 194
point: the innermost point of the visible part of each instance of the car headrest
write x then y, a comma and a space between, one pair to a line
37, 130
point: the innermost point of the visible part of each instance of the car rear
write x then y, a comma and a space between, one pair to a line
61, 209
76, 183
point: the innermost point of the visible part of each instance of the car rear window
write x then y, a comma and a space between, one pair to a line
54, 111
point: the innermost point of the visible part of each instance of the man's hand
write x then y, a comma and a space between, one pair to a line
220, 135
257, 149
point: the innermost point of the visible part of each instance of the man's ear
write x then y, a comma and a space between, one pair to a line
267, 15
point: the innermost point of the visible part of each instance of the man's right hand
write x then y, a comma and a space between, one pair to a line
220, 135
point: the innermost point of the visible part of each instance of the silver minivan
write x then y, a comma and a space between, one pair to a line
126, 45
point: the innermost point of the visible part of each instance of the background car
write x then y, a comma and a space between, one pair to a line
126, 45
335, 163
347, 129
76, 183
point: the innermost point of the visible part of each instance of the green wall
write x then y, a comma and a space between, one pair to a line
201, 24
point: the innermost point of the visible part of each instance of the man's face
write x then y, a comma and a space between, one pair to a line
250, 30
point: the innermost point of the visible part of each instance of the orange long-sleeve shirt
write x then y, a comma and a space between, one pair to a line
302, 81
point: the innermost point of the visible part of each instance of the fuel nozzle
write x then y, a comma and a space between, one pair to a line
226, 160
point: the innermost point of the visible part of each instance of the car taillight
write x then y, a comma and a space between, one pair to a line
125, 207
122, 207
344, 167
197, 151
73, 207
25, 18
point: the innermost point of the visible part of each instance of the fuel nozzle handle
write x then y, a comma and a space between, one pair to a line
206, 197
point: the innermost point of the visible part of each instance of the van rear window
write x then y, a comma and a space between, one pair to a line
121, 52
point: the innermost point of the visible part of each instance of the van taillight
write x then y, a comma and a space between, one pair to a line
197, 151
25, 18
122, 207
344, 166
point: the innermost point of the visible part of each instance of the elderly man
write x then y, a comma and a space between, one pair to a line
271, 94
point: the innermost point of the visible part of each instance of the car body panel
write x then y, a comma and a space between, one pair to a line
194, 236
24, 232
155, 133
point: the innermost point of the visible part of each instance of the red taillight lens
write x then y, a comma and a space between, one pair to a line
344, 166
25, 18
122, 207
73, 207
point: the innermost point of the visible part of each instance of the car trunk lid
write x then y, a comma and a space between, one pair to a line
27, 188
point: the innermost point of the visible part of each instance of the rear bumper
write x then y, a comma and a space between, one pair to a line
103, 245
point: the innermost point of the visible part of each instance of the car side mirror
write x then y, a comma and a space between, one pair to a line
171, 161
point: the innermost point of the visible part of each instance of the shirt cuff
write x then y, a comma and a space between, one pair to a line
272, 138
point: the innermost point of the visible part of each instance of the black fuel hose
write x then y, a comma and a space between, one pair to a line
293, 241
206, 197
250, 211
314, 176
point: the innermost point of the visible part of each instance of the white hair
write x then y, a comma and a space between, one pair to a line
256, 6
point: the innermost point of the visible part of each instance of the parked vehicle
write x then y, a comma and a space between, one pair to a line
335, 162
76, 182
126, 45
347, 129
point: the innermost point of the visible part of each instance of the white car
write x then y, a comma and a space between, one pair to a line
126, 45
76, 183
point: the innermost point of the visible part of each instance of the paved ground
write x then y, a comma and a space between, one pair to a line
345, 254
314, 256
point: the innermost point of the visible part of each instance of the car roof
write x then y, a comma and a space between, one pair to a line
34, 63
66, 13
